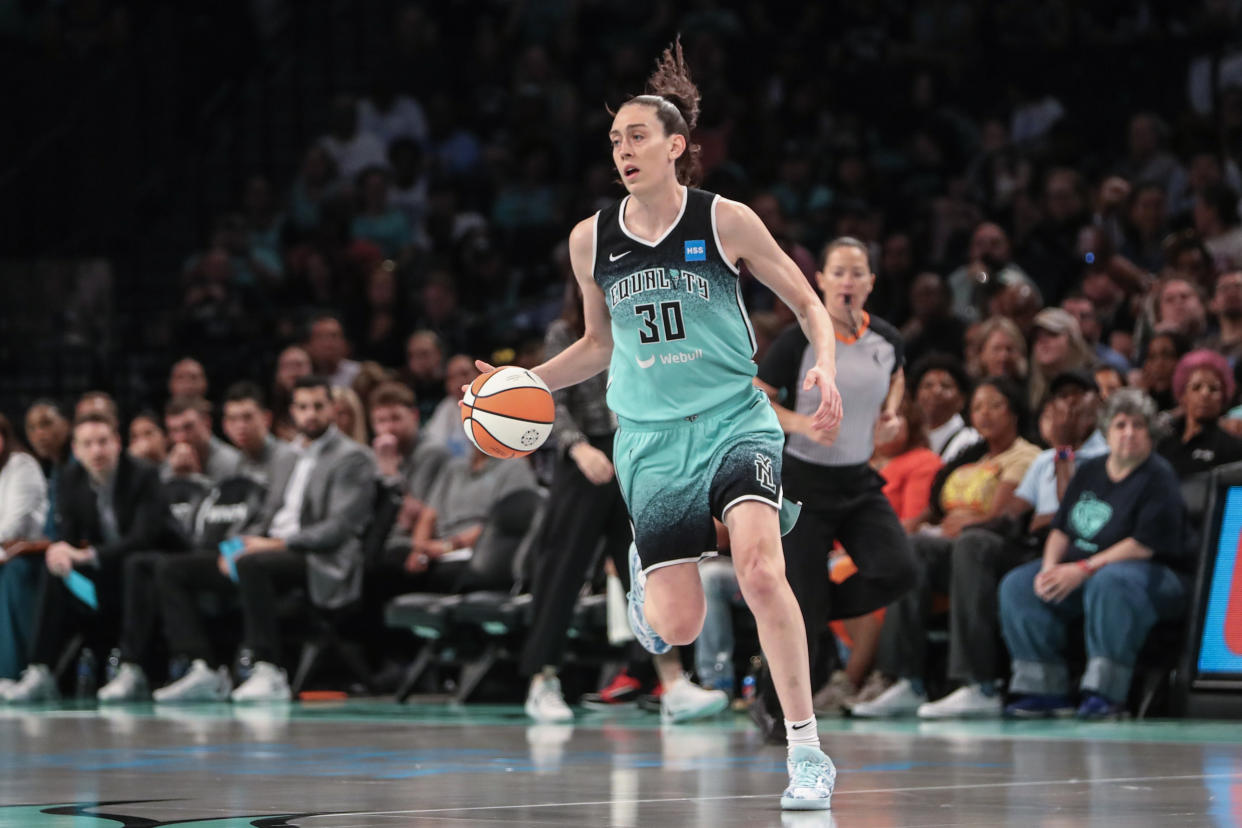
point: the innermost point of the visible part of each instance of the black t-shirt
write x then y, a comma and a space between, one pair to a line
1210, 448
1145, 505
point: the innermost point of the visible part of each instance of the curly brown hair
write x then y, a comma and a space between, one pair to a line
676, 101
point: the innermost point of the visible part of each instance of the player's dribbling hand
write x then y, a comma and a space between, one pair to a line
828, 415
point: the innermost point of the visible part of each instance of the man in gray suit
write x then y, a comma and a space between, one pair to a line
309, 532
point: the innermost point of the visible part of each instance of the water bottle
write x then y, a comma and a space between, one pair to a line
748, 689
85, 687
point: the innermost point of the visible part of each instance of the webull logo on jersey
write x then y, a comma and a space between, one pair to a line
657, 278
670, 359
696, 250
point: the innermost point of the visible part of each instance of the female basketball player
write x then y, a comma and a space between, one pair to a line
696, 439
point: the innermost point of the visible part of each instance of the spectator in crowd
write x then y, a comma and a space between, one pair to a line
1178, 308
147, 439
377, 219
391, 115
1058, 346
265, 223
1216, 220
97, 401
307, 533
1084, 312
23, 512
971, 490
1148, 158
1108, 379
441, 313
932, 327
1203, 385
409, 187
1226, 306
445, 427
424, 371
406, 460
350, 418
1112, 558
1147, 228
187, 379
247, 424
382, 321
48, 432
940, 386
109, 507
1049, 252
312, 186
351, 149
1002, 350
195, 450
988, 268
328, 350
1155, 376
292, 364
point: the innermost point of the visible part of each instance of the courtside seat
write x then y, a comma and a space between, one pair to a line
425, 614
590, 619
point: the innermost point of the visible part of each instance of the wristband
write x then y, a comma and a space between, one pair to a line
1065, 453
1084, 566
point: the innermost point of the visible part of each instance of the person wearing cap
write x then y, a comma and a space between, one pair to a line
1057, 346
1203, 386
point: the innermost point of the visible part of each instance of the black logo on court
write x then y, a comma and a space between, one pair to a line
763, 472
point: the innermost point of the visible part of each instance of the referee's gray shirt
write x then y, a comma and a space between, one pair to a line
865, 367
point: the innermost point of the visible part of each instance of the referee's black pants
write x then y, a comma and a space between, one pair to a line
846, 504
579, 513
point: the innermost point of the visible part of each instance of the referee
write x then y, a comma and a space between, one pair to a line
841, 495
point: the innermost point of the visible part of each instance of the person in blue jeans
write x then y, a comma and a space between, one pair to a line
1113, 558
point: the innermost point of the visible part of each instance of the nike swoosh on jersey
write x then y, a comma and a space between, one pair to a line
612, 257
645, 363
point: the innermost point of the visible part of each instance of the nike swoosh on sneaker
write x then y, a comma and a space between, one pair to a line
612, 257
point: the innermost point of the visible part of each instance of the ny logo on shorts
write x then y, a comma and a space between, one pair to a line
763, 472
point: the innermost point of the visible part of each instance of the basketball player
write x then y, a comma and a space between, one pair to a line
841, 495
696, 439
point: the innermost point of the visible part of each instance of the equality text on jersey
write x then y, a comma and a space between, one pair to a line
658, 278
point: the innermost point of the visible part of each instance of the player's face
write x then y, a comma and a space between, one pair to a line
846, 280
641, 151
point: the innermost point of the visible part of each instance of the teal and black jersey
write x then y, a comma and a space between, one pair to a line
682, 342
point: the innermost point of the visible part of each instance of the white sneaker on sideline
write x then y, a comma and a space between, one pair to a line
898, 700
545, 703
36, 684
268, 683
963, 703
130, 684
685, 701
199, 684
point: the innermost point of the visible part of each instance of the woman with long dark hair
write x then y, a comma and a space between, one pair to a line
23, 510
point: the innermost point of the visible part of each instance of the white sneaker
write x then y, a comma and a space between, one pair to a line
544, 702
898, 700
268, 683
685, 700
5, 684
963, 703
130, 684
812, 777
36, 684
200, 683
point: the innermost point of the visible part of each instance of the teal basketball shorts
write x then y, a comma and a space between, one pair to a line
676, 475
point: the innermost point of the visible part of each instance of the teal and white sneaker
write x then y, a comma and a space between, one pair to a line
812, 776
646, 636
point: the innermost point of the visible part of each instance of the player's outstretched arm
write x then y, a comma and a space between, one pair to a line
590, 354
744, 238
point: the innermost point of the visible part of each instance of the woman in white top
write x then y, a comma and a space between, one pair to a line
23, 508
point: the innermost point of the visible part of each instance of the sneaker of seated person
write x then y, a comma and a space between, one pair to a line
685, 701
835, 696
200, 683
36, 684
544, 702
968, 702
622, 691
130, 684
268, 683
1097, 708
1040, 706
5, 684
899, 700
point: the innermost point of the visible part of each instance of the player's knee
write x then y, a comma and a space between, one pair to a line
761, 577
681, 626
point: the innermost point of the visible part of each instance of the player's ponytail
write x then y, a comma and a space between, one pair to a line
676, 101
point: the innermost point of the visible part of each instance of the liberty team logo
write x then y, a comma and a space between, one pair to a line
763, 472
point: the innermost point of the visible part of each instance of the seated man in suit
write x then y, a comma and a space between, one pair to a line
310, 528
195, 450
110, 506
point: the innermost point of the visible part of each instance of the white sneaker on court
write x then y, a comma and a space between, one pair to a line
685, 701
812, 777
199, 684
898, 700
968, 702
268, 683
130, 684
544, 702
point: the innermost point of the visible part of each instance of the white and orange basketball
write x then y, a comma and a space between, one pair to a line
508, 412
